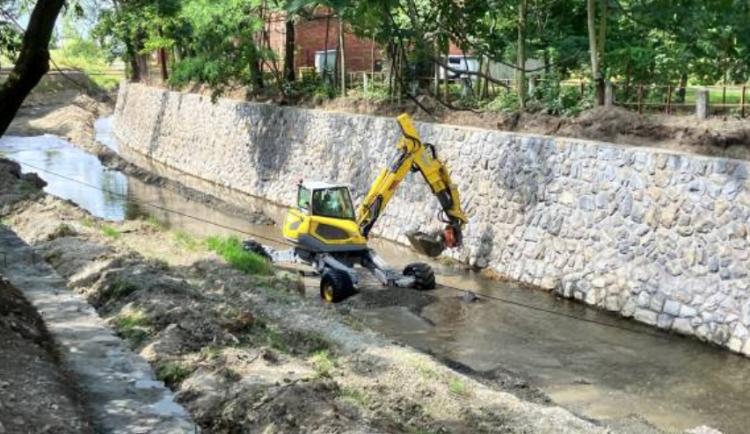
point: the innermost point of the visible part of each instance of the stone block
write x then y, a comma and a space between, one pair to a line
682, 326
645, 316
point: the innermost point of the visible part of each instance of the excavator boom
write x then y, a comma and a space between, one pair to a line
413, 155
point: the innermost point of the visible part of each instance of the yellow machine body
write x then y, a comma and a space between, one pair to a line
317, 231
326, 221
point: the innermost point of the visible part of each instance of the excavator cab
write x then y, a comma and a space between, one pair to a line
324, 219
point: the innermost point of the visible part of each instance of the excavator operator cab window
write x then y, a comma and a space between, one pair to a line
333, 202
303, 199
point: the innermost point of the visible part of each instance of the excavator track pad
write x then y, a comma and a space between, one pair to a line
431, 245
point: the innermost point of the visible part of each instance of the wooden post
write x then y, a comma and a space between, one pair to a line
669, 99
724, 95
743, 100
640, 99
583, 89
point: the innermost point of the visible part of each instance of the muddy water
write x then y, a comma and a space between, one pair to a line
606, 373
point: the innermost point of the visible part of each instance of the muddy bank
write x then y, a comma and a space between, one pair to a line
36, 393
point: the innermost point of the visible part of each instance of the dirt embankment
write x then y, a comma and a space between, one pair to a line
721, 136
245, 352
36, 394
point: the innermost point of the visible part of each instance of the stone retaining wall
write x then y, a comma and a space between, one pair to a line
658, 236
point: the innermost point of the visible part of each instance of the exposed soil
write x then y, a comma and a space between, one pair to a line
725, 136
36, 395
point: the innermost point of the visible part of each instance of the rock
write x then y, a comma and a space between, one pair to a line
646, 316
682, 326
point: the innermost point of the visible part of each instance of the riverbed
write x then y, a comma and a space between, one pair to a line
591, 362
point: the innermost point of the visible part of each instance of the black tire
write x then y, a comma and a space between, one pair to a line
253, 246
423, 274
336, 286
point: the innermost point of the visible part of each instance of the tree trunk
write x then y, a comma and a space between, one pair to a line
521, 61
342, 51
601, 47
289, 47
33, 61
602, 42
683, 88
325, 47
163, 63
594, 51
132, 58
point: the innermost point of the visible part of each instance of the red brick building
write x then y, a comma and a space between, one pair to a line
311, 42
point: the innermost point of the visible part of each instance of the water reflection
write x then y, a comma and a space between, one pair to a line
57, 156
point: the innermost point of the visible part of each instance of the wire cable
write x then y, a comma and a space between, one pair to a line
277, 241
159, 207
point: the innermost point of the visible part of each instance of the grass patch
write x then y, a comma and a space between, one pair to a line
134, 326
121, 287
324, 363
154, 223
87, 222
231, 249
356, 397
457, 386
427, 372
110, 231
63, 230
275, 339
172, 374
185, 240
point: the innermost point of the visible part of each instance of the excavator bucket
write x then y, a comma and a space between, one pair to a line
431, 245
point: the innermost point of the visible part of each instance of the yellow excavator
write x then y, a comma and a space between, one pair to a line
331, 236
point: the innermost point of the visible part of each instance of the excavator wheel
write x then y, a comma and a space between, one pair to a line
423, 274
336, 286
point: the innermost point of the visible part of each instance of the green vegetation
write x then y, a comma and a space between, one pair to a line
154, 223
85, 55
63, 230
109, 231
87, 222
134, 326
356, 397
457, 386
185, 240
324, 363
231, 249
173, 373
121, 287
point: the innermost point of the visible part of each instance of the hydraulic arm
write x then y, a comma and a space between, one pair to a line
413, 155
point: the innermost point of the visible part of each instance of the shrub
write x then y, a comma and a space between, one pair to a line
504, 102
